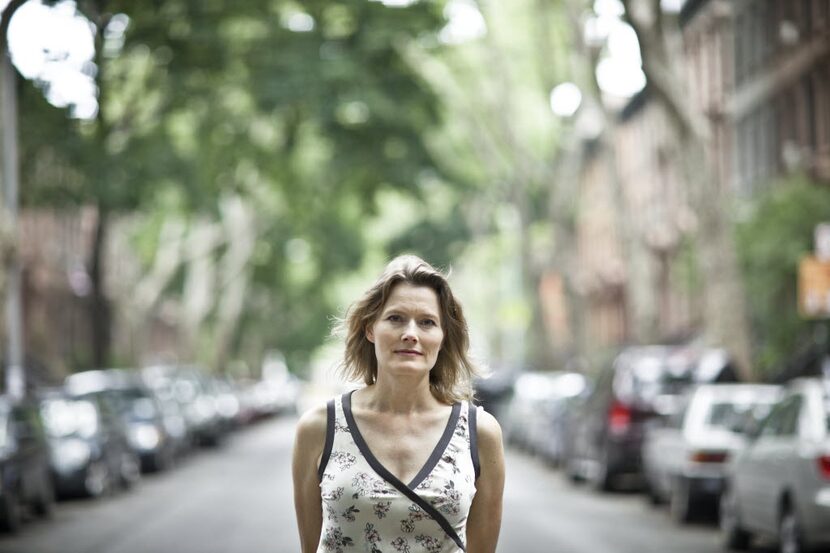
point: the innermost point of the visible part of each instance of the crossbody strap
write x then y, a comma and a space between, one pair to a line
473, 408
324, 460
425, 505
420, 502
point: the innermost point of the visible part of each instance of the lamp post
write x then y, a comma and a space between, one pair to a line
15, 384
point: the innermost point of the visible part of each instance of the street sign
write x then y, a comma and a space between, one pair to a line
814, 288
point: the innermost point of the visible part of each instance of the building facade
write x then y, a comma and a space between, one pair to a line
759, 70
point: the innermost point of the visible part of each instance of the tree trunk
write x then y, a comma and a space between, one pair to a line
724, 303
100, 316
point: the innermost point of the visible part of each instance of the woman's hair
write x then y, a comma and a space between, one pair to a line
450, 380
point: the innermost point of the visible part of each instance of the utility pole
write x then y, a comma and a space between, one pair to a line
15, 385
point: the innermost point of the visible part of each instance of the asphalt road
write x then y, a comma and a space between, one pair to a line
237, 499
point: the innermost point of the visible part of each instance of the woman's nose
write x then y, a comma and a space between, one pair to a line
410, 331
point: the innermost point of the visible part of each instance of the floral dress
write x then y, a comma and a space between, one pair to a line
367, 509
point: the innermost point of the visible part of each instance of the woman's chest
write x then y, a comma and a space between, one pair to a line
404, 448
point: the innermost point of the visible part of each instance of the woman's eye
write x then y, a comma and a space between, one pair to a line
429, 322
394, 318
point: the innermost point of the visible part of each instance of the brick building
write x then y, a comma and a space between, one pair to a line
760, 72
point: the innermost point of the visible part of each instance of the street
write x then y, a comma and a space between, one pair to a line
238, 499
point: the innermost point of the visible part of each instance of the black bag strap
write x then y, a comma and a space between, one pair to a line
324, 460
473, 430
428, 509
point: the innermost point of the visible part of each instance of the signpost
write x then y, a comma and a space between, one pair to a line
814, 291
814, 278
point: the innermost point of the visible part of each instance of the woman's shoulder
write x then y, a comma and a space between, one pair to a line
488, 429
311, 427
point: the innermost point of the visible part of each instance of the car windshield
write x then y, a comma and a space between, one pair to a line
649, 380
135, 403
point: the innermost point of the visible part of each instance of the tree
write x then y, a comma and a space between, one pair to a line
503, 141
773, 236
724, 303
303, 112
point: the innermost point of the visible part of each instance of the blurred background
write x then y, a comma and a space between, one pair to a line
631, 197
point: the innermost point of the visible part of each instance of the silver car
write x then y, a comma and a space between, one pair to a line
779, 485
685, 458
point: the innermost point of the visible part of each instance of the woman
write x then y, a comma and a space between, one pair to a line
406, 463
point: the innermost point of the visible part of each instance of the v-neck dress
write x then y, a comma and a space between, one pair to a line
367, 509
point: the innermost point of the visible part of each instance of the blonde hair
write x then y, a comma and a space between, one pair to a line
450, 380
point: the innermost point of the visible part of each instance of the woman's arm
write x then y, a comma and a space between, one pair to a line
484, 521
308, 448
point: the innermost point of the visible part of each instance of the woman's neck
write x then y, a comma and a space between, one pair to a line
394, 396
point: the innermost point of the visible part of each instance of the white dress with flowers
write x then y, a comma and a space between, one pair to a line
367, 509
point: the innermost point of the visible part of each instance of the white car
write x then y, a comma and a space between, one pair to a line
684, 460
779, 486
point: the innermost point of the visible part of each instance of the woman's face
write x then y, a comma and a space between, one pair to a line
407, 334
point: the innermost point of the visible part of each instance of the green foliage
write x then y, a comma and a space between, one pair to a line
772, 239
207, 99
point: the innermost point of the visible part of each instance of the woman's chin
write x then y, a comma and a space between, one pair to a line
410, 368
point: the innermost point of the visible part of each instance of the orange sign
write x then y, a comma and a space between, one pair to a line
814, 288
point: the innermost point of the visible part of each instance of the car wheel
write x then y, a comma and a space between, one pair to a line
572, 471
735, 537
681, 502
164, 460
652, 495
790, 539
130, 472
97, 481
603, 479
45, 503
10, 511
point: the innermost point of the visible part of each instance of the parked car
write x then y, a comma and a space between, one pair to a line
779, 486
606, 428
523, 411
494, 391
25, 481
89, 453
685, 459
192, 389
535, 413
140, 409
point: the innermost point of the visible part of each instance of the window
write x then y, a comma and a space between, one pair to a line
820, 8
770, 425
810, 112
740, 37
822, 115
790, 416
783, 420
806, 19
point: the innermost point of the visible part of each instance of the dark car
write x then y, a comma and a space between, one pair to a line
141, 410
90, 453
191, 388
607, 426
25, 481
